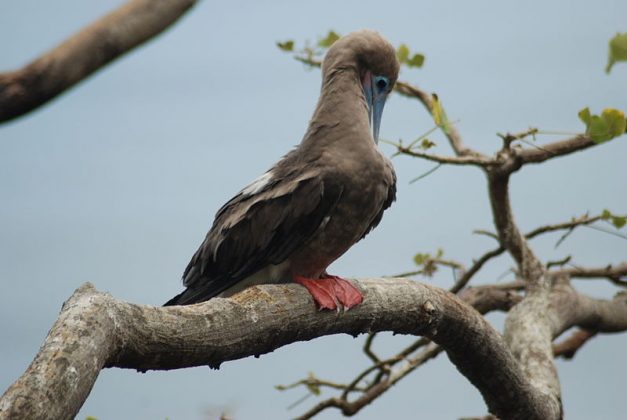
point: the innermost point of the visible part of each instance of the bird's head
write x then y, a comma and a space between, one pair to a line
373, 60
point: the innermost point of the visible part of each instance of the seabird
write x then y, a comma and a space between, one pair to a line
293, 221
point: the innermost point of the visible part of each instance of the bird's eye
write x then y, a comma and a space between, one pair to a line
381, 82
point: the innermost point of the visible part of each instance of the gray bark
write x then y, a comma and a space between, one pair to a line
95, 331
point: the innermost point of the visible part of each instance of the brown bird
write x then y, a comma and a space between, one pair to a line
293, 221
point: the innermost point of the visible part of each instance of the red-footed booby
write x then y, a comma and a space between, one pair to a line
293, 221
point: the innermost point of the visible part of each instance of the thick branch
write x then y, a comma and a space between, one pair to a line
528, 335
511, 238
85, 52
482, 298
94, 330
569, 308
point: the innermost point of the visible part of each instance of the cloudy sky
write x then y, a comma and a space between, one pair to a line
116, 182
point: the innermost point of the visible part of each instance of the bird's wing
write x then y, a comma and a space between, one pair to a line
390, 198
264, 224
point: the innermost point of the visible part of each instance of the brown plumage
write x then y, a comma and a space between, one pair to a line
320, 198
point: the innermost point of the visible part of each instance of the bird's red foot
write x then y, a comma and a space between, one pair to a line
331, 292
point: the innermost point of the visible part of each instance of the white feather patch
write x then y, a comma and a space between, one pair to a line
258, 184
324, 222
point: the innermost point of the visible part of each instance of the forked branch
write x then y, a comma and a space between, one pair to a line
95, 331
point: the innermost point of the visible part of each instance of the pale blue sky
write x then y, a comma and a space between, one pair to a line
116, 182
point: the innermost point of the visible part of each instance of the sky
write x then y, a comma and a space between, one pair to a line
116, 182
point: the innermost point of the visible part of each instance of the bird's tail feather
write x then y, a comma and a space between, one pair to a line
198, 294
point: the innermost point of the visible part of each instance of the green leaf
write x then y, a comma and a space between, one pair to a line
584, 116
619, 221
286, 45
426, 144
420, 259
402, 53
618, 50
437, 111
326, 42
416, 61
610, 124
616, 122
312, 386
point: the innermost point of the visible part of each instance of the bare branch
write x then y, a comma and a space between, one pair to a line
312, 381
509, 138
483, 298
85, 52
575, 222
467, 276
478, 264
528, 336
452, 160
556, 149
614, 273
492, 298
570, 346
94, 331
571, 308
510, 236
350, 408
368, 348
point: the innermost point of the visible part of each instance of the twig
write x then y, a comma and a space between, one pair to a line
558, 263
509, 138
609, 232
312, 381
610, 272
429, 172
367, 348
481, 161
486, 233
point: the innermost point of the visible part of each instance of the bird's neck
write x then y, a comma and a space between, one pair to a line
342, 113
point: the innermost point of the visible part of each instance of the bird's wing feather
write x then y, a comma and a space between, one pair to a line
391, 197
253, 231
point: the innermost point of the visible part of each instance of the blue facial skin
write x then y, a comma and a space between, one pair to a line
376, 89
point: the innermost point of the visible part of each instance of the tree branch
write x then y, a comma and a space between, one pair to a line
483, 298
477, 160
572, 344
85, 52
95, 331
556, 149
611, 272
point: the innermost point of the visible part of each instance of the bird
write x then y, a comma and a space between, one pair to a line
318, 200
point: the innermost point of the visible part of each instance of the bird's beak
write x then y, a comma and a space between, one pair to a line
376, 102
